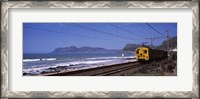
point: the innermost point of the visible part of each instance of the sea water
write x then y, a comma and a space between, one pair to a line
37, 63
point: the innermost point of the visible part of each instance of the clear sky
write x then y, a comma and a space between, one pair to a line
45, 37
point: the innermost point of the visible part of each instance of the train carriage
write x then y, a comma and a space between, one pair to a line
148, 54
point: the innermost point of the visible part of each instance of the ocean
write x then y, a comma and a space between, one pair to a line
34, 64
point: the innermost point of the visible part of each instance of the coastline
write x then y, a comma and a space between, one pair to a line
84, 69
164, 67
78, 65
156, 68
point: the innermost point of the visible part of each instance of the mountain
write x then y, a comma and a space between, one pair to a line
130, 47
163, 46
81, 49
172, 44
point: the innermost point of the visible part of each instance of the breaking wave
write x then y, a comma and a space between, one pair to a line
43, 59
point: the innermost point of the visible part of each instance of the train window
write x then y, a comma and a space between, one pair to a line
137, 51
145, 51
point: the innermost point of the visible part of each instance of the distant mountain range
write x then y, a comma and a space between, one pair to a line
163, 46
82, 49
127, 48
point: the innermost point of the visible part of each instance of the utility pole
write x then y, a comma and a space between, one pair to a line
167, 32
167, 40
151, 39
143, 43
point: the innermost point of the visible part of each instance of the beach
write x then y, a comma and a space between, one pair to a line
48, 63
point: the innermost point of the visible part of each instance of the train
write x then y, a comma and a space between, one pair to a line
148, 54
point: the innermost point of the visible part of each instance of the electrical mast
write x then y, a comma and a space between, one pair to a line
152, 39
168, 48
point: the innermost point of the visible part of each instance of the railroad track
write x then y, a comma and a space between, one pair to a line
100, 71
135, 66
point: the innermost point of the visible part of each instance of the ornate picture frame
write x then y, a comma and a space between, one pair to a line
6, 5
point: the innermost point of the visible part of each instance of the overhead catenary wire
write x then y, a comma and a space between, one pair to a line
99, 31
150, 31
72, 34
125, 30
53, 31
164, 36
155, 29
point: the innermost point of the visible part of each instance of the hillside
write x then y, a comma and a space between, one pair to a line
163, 46
130, 47
81, 49
172, 44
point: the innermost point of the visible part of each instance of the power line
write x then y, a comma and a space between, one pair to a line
152, 39
125, 30
72, 34
147, 29
155, 29
42, 29
95, 30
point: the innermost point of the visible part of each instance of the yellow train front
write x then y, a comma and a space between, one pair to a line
148, 54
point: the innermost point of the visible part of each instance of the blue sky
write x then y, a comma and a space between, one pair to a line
45, 37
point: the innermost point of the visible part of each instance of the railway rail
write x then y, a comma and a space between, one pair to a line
135, 66
101, 71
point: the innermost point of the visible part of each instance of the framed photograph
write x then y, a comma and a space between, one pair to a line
104, 49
